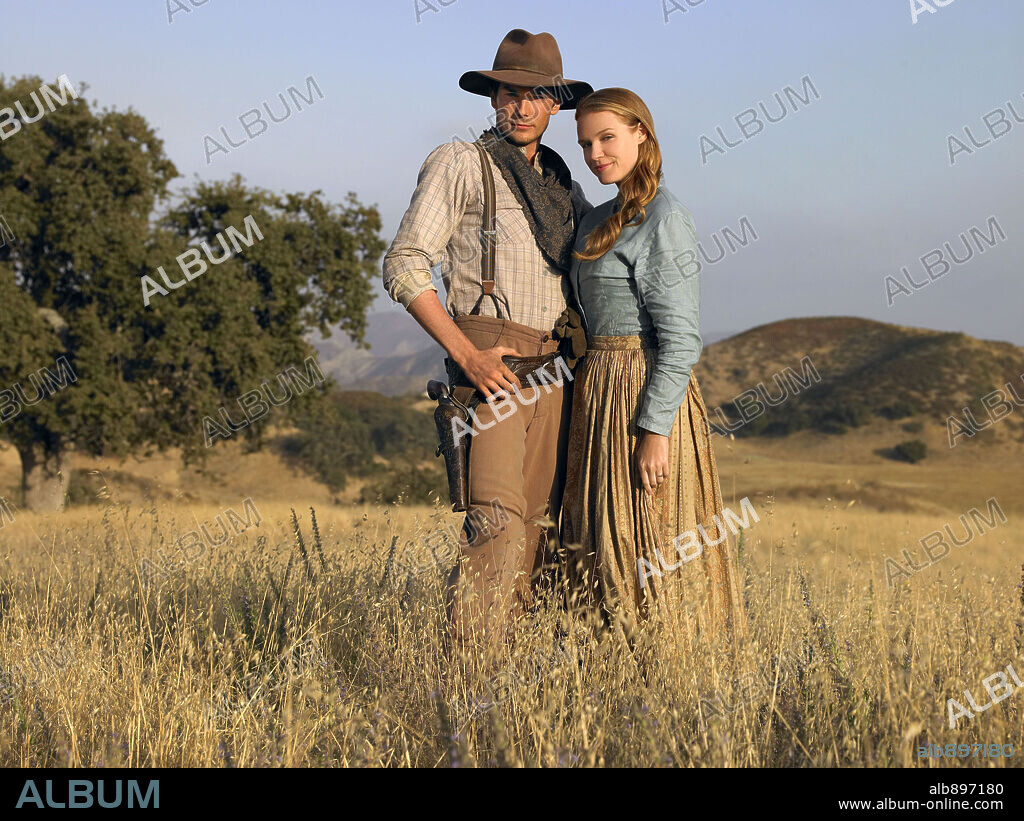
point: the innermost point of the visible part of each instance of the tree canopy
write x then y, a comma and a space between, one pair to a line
86, 195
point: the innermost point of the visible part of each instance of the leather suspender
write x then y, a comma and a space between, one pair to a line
488, 235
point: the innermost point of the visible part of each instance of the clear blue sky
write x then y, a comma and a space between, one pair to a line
841, 193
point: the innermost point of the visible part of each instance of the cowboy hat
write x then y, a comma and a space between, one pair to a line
525, 59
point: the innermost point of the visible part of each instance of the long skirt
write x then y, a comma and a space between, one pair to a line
637, 556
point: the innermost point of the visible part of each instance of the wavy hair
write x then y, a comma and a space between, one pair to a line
641, 184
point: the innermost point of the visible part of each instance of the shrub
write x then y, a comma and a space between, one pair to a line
755, 427
341, 436
83, 488
839, 416
913, 450
414, 483
333, 443
783, 422
900, 409
395, 428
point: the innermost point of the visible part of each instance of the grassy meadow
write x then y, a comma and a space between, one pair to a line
302, 644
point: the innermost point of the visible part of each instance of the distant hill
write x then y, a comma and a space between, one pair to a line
400, 360
868, 370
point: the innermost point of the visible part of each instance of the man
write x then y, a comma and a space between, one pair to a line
515, 461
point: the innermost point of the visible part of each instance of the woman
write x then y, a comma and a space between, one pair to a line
642, 498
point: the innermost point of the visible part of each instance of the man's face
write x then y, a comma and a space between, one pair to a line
522, 112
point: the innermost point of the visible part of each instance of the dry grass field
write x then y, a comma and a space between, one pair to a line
326, 648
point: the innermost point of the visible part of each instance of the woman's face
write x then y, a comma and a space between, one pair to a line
610, 147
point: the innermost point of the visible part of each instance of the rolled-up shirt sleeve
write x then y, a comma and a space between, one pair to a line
668, 283
437, 205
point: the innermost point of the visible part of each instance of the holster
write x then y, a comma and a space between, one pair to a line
455, 448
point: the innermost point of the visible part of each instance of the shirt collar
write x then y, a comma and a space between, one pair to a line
536, 158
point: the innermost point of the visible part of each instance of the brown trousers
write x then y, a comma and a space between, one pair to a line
516, 479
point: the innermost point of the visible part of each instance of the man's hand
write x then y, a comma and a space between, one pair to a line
652, 458
487, 372
483, 368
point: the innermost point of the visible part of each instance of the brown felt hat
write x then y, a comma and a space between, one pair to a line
525, 59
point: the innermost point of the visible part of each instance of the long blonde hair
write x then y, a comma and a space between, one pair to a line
641, 184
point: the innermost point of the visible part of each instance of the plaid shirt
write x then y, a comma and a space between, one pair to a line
442, 226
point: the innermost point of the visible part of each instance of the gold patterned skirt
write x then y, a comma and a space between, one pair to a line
637, 556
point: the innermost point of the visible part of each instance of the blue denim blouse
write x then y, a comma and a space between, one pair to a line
648, 281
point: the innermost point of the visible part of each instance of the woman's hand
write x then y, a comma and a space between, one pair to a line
652, 458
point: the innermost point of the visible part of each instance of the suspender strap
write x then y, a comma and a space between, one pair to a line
488, 235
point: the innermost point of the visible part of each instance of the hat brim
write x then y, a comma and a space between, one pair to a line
567, 92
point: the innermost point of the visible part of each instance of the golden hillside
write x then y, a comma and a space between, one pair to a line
832, 374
